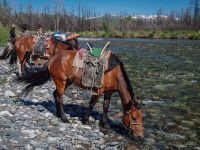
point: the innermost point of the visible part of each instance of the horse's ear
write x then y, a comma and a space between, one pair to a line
137, 103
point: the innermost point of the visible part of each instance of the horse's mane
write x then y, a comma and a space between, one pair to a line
113, 62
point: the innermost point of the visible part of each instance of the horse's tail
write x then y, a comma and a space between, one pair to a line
7, 52
35, 78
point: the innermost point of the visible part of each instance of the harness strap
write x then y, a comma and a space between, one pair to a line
130, 119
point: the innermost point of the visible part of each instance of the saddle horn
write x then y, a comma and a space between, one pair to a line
105, 47
89, 46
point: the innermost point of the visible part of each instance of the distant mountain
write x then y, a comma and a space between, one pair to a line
145, 17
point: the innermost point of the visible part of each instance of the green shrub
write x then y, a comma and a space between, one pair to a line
4, 35
167, 34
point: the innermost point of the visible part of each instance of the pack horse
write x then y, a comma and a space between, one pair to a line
62, 71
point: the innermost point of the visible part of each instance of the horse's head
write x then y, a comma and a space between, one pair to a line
53, 44
132, 119
50, 46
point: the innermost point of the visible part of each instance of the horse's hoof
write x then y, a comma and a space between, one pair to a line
104, 125
85, 121
64, 119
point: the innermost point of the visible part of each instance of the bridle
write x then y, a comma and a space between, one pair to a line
130, 118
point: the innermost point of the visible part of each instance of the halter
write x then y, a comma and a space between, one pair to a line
130, 119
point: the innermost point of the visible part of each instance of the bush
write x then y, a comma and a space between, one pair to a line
180, 34
4, 35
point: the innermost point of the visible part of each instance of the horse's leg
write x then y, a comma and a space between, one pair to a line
24, 61
19, 67
92, 103
106, 104
58, 96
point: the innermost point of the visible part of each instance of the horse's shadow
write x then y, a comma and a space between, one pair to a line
75, 110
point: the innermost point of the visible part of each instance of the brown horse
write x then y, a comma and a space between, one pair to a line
115, 79
20, 52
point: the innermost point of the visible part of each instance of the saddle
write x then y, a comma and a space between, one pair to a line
93, 62
39, 49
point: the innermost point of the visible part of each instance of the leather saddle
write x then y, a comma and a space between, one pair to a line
94, 62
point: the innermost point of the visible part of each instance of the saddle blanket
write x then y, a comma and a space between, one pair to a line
93, 67
81, 56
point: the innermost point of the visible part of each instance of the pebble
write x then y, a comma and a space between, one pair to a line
82, 138
40, 108
53, 139
5, 113
29, 133
28, 147
80, 147
114, 143
9, 93
149, 141
54, 121
110, 148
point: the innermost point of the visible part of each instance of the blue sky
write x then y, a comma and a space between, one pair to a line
140, 7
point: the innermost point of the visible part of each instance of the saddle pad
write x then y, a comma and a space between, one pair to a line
81, 56
79, 59
96, 52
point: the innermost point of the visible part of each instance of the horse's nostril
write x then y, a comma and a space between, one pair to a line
139, 138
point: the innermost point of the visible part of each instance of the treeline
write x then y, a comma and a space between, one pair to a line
84, 19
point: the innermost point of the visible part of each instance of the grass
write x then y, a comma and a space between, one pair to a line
181, 34
4, 35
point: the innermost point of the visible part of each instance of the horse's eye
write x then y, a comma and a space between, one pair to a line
134, 120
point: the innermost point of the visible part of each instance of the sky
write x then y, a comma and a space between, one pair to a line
137, 7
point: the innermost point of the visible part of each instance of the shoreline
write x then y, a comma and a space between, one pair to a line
180, 35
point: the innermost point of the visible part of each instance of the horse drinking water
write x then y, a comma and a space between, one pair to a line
60, 69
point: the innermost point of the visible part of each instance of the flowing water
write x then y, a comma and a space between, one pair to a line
165, 74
